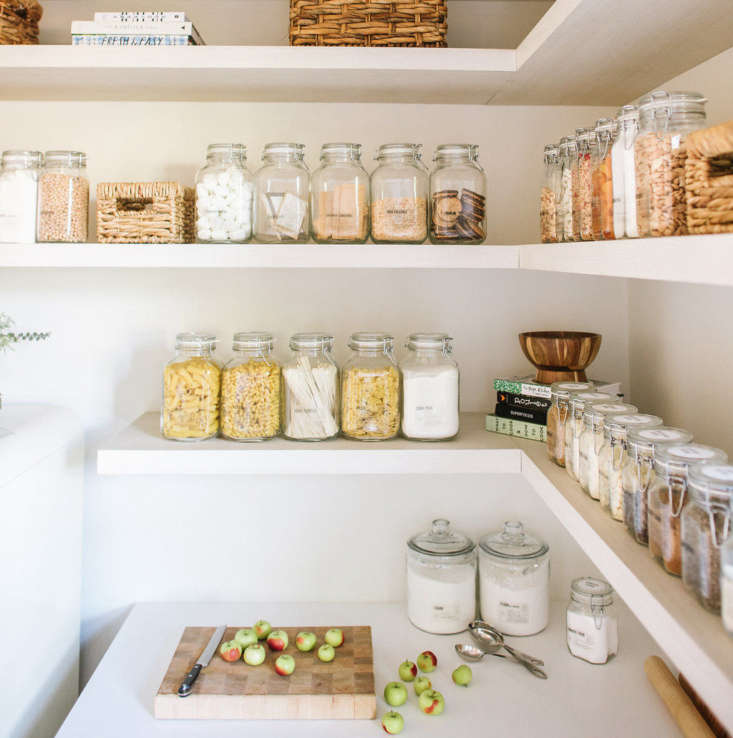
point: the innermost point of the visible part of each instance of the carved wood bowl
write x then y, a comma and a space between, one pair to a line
560, 355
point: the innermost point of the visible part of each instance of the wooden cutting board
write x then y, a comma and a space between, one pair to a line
342, 689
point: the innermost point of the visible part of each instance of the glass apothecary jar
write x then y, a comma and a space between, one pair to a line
340, 196
557, 416
705, 528
574, 426
19, 173
458, 196
282, 187
612, 456
726, 582
668, 497
567, 155
310, 389
441, 579
514, 580
191, 383
399, 195
224, 196
624, 173
602, 203
370, 388
665, 119
591, 441
591, 621
250, 389
550, 194
583, 202
430, 383
63, 198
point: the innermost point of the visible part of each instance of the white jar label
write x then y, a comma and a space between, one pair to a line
510, 612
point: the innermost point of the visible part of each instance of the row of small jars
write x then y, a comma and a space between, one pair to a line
43, 198
623, 177
340, 202
254, 397
673, 495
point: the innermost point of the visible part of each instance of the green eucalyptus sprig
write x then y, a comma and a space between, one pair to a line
8, 337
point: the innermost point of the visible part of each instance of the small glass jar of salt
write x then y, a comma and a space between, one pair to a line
591, 621
19, 173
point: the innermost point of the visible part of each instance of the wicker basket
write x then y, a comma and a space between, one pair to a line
19, 21
368, 23
144, 212
709, 180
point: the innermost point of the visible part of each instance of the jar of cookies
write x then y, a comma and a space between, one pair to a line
370, 389
458, 196
63, 197
191, 382
250, 389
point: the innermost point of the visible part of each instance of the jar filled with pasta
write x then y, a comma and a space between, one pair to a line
602, 203
574, 426
567, 156
583, 200
191, 383
250, 389
558, 414
549, 195
370, 389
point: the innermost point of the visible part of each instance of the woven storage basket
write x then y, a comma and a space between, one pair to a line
709, 179
368, 23
19, 21
144, 212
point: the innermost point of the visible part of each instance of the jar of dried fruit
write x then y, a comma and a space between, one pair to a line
568, 156
557, 416
550, 195
399, 195
574, 426
583, 195
602, 203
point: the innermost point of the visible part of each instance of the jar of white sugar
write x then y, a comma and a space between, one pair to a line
441, 579
514, 580
429, 388
19, 172
591, 621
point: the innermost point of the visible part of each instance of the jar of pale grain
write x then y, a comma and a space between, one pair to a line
63, 198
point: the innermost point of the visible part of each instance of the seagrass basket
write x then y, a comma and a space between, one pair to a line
144, 212
368, 23
19, 21
709, 179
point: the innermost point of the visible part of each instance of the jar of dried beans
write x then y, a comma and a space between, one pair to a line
583, 200
399, 195
557, 416
659, 154
603, 200
63, 197
668, 497
568, 156
705, 528
574, 426
550, 194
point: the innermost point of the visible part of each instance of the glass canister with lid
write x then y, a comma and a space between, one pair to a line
370, 388
602, 204
441, 579
591, 621
191, 383
514, 580
63, 198
250, 389
705, 528
224, 195
574, 426
624, 178
557, 416
568, 154
583, 203
282, 186
19, 172
668, 497
310, 389
340, 195
399, 187
458, 196
549, 195
726, 581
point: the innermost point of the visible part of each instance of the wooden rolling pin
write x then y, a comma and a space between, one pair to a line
678, 703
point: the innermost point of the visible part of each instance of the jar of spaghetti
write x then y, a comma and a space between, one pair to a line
557, 416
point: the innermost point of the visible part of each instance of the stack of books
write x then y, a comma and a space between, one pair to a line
136, 29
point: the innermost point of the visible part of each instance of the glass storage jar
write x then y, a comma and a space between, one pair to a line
603, 199
514, 580
668, 497
624, 177
567, 156
612, 456
282, 186
458, 196
63, 198
310, 391
370, 389
574, 426
583, 201
224, 196
430, 381
591, 621
549, 195
558, 414
19, 172
665, 119
591, 440
399, 187
250, 389
726, 582
340, 196
441, 579
191, 383
705, 528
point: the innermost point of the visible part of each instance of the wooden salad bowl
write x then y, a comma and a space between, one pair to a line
560, 355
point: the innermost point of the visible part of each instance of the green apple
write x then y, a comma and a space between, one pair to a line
395, 694
285, 664
263, 629
334, 637
427, 661
407, 671
462, 675
431, 702
326, 652
392, 722
277, 640
305, 641
245, 637
230, 651
421, 684
255, 654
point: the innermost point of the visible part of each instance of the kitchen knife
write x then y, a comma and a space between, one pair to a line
185, 689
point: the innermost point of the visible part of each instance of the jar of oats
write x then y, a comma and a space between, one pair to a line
250, 389
370, 389
63, 198
558, 414
191, 382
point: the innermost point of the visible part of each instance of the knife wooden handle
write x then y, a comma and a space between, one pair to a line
185, 689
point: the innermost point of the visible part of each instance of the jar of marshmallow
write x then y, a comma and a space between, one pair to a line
224, 196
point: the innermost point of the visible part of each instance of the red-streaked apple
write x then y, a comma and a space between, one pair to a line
395, 694
277, 640
255, 654
392, 722
334, 637
263, 629
326, 652
427, 661
421, 684
305, 641
245, 637
462, 675
431, 702
407, 671
230, 651
285, 664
